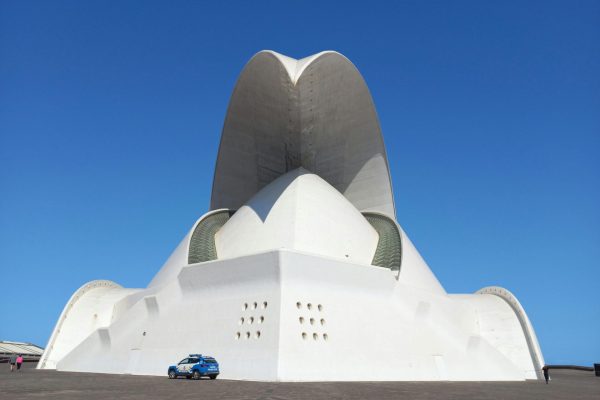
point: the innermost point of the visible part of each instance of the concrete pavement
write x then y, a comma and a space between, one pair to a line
48, 384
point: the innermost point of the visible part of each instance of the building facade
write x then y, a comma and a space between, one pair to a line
300, 271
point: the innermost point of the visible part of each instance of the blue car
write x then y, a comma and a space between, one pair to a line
195, 367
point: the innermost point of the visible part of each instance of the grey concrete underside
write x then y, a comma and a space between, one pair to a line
325, 122
49, 384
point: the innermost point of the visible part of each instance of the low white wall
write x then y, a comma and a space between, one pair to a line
373, 328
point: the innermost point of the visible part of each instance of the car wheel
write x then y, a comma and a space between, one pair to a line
188, 377
213, 377
172, 375
196, 375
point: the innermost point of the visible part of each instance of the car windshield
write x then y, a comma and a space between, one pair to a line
210, 361
184, 361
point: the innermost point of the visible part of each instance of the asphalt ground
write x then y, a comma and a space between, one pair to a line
35, 384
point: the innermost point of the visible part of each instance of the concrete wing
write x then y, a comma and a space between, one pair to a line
315, 113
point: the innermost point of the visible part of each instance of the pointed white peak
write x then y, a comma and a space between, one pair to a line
289, 63
294, 67
303, 63
299, 211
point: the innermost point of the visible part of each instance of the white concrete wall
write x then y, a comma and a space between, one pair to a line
374, 328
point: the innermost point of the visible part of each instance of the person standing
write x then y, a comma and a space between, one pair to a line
546, 374
13, 361
19, 362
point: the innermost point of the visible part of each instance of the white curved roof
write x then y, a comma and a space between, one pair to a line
91, 307
299, 211
8, 347
315, 113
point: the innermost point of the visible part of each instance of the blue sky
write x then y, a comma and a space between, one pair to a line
111, 112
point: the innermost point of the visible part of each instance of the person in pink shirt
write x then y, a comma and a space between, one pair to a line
19, 362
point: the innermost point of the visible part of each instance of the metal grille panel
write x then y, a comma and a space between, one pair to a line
389, 247
202, 243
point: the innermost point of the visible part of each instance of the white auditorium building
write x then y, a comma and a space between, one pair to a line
299, 271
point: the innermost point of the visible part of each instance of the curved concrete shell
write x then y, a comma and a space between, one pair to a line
300, 259
93, 306
316, 113
526, 326
299, 211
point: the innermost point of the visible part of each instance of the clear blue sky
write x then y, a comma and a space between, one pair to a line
111, 112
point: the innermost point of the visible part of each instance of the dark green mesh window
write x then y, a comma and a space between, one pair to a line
202, 243
389, 247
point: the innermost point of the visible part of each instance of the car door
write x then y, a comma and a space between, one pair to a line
183, 366
192, 361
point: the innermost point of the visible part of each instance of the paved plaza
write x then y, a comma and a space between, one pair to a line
47, 384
